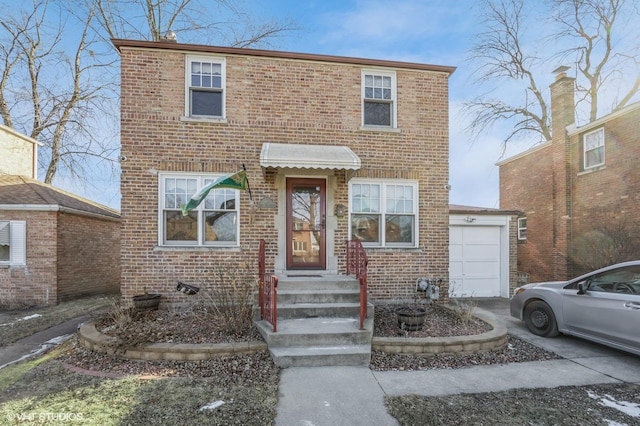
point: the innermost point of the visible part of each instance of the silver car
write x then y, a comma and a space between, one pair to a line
602, 306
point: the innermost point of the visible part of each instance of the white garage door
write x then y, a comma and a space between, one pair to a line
474, 261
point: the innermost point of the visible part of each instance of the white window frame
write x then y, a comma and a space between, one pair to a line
200, 210
187, 79
17, 243
393, 101
384, 185
522, 229
601, 145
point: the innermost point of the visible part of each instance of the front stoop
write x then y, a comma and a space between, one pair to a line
318, 323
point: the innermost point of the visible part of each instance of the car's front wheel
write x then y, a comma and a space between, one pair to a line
540, 319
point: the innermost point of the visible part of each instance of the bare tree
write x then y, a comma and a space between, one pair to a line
215, 21
580, 31
50, 95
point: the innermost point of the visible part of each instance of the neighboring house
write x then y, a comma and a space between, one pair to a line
579, 192
335, 148
54, 246
482, 251
19, 153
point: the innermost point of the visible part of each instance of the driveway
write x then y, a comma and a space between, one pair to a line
602, 359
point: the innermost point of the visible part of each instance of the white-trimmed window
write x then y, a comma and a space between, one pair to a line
522, 228
383, 213
13, 242
594, 148
206, 84
378, 98
215, 222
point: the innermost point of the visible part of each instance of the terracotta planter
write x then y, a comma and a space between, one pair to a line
146, 301
411, 318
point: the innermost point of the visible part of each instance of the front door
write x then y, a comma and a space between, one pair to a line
306, 217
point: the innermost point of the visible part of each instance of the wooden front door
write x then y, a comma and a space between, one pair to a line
306, 215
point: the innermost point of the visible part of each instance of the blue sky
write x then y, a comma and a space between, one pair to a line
437, 32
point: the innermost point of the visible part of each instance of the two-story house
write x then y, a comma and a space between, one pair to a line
335, 149
579, 192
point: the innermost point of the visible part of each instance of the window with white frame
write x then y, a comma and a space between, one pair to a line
594, 148
522, 228
215, 222
383, 213
13, 238
378, 99
205, 87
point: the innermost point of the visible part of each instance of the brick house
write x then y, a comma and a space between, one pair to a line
335, 148
54, 246
574, 189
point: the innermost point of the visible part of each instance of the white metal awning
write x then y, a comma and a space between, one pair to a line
300, 156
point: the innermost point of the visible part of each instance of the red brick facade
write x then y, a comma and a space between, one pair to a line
68, 256
560, 199
283, 98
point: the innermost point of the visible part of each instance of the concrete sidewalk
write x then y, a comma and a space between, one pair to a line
333, 396
39, 342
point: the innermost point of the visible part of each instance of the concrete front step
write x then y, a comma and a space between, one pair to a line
318, 322
319, 296
321, 356
315, 310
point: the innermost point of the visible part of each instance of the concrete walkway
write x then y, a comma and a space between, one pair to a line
335, 396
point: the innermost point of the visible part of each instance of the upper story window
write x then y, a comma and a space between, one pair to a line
383, 213
13, 236
522, 228
379, 99
205, 87
215, 222
593, 144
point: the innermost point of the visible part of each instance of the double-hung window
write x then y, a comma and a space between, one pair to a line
383, 213
205, 87
13, 237
522, 228
215, 222
378, 99
594, 148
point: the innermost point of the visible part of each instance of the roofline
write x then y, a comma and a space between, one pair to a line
22, 136
56, 208
170, 45
573, 130
534, 148
481, 211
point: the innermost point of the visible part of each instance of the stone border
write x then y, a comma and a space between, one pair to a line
493, 339
92, 339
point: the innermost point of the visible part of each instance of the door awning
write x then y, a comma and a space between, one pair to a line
301, 156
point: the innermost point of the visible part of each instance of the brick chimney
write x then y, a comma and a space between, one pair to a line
562, 115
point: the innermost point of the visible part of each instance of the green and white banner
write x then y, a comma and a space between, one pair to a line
237, 181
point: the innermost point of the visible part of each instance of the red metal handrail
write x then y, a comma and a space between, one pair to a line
267, 290
357, 262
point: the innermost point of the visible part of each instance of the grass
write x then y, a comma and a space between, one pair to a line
44, 391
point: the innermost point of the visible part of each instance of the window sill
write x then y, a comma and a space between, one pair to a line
380, 129
196, 248
216, 120
591, 170
392, 249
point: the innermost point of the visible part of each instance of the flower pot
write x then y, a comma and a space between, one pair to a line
146, 301
411, 318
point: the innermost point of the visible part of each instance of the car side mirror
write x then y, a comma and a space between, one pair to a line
582, 288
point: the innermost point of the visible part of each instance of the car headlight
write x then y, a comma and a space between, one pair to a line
518, 290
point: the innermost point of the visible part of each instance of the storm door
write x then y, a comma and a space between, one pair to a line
306, 215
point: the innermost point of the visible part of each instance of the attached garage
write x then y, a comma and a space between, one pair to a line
481, 252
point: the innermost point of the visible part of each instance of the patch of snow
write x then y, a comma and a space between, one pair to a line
629, 408
327, 404
46, 345
28, 317
614, 423
212, 406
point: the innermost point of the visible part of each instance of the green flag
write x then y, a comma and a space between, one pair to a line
235, 181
